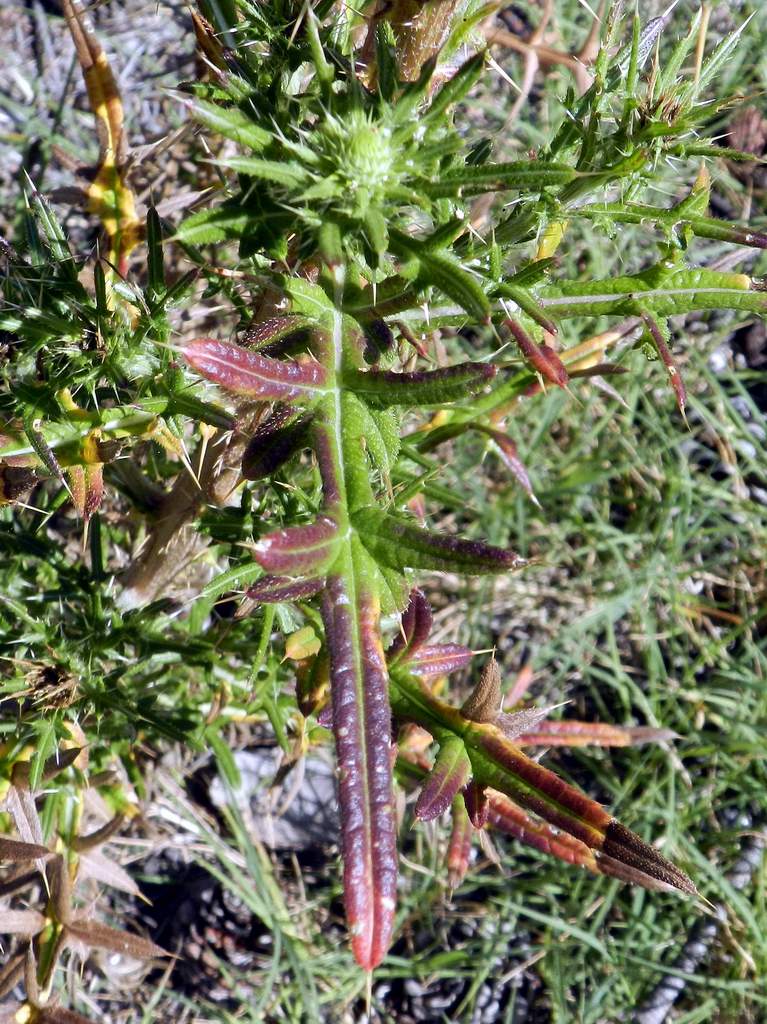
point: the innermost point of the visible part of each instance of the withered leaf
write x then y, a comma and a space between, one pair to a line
95, 935
19, 852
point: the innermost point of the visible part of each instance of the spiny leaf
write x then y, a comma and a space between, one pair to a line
232, 123
657, 335
501, 765
217, 225
459, 845
665, 292
415, 626
445, 273
509, 455
255, 376
18, 852
477, 804
520, 723
421, 388
298, 550
362, 728
96, 865
449, 775
96, 935
87, 486
454, 90
439, 660
528, 304
590, 734
275, 589
281, 173
275, 440
471, 181
268, 332
402, 545
541, 357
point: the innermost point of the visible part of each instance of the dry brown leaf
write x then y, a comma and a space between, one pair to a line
21, 922
19, 852
96, 865
95, 935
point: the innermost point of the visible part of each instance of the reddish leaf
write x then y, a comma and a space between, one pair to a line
508, 817
502, 765
590, 734
542, 358
510, 458
449, 775
87, 486
247, 373
275, 440
680, 392
276, 328
415, 626
297, 550
362, 726
459, 846
477, 804
439, 660
274, 589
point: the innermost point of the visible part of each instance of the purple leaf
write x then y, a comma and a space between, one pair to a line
255, 376
449, 775
274, 441
297, 550
362, 726
274, 589
415, 627
439, 660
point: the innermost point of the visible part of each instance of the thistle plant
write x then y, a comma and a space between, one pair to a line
353, 198
359, 213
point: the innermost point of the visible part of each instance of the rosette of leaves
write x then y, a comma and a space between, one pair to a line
351, 199
357, 557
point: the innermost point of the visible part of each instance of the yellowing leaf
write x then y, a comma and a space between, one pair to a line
109, 196
302, 644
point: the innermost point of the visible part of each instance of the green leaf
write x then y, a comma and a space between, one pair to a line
421, 388
221, 224
289, 175
399, 544
445, 273
232, 123
454, 90
522, 174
